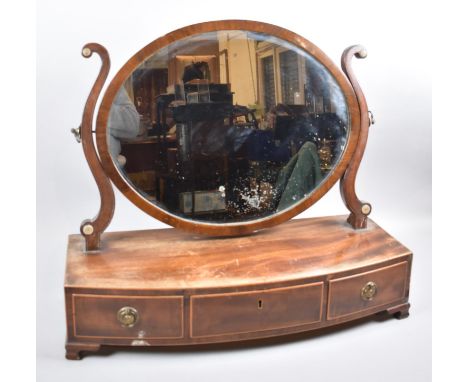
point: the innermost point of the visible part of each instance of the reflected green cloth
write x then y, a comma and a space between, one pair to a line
299, 177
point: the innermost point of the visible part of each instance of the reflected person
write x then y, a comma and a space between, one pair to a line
124, 123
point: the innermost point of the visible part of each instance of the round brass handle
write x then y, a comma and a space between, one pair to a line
127, 316
369, 291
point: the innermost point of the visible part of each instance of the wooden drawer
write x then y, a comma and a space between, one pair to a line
233, 313
345, 294
157, 317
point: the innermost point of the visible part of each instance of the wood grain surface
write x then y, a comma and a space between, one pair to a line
171, 259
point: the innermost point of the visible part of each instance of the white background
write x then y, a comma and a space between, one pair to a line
395, 177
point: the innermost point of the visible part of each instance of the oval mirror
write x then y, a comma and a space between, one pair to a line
227, 127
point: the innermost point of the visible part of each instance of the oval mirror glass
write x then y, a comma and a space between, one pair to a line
228, 126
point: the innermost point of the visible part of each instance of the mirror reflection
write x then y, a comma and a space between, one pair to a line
228, 126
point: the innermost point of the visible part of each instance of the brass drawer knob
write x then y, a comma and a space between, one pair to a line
369, 291
127, 316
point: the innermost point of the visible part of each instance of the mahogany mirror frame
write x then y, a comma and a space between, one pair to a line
104, 168
164, 288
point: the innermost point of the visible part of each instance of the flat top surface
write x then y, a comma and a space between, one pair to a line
169, 258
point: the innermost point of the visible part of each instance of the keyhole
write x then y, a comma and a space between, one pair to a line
260, 304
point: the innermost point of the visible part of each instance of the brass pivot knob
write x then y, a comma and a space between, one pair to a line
369, 291
127, 316
77, 133
371, 118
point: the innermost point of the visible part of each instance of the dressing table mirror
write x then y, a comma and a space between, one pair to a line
225, 131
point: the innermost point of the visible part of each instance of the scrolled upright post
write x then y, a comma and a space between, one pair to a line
91, 229
359, 209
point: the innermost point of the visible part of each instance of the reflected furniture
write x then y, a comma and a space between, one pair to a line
225, 158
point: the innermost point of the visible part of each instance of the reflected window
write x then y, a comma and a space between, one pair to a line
289, 69
283, 76
269, 93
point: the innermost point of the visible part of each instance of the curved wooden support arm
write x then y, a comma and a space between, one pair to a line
359, 209
92, 229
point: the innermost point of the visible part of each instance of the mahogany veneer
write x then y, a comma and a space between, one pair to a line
305, 274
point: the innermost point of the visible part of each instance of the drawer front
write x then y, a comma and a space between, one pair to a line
353, 294
128, 316
233, 313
